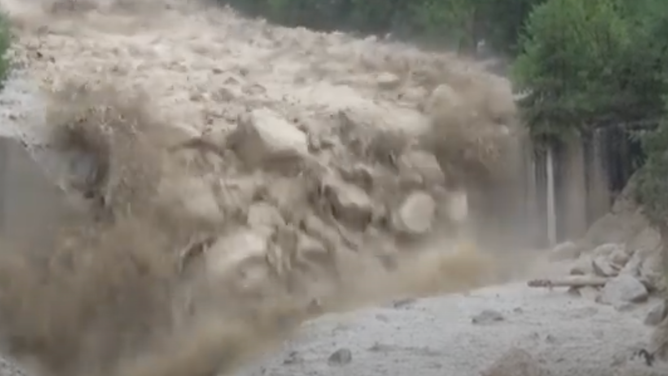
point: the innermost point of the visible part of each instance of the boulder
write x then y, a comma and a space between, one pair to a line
416, 214
351, 205
565, 251
264, 139
195, 197
623, 289
227, 253
422, 164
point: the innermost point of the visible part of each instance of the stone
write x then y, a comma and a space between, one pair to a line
583, 266
565, 251
423, 164
388, 81
264, 139
340, 357
195, 196
416, 214
603, 267
515, 362
228, 252
487, 317
351, 204
623, 289
264, 215
634, 264
657, 314
606, 249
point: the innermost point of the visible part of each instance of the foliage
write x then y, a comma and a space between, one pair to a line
461, 23
5, 43
570, 66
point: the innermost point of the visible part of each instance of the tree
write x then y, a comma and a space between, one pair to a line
569, 66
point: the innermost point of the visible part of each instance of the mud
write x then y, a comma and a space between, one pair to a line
240, 179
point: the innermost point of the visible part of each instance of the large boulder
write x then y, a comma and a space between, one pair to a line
264, 139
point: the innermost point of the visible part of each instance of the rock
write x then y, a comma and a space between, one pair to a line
623, 289
583, 266
487, 316
606, 249
632, 267
351, 205
648, 239
651, 272
565, 251
340, 357
457, 206
310, 250
388, 81
195, 196
603, 267
620, 257
657, 314
416, 214
228, 252
264, 215
359, 174
422, 163
293, 357
515, 362
316, 228
263, 139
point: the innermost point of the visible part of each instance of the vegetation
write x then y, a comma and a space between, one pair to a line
459, 23
5, 42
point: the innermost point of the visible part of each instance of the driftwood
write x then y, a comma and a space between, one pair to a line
573, 281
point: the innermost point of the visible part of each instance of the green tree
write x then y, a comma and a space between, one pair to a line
568, 66
5, 43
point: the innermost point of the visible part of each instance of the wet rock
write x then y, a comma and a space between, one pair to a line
515, 362
565, 251
657, 314
340, 357
423, 164
416, 214
623, 289
264, 139
351, 205
486, 317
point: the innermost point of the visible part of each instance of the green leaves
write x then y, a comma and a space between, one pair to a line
577, 62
